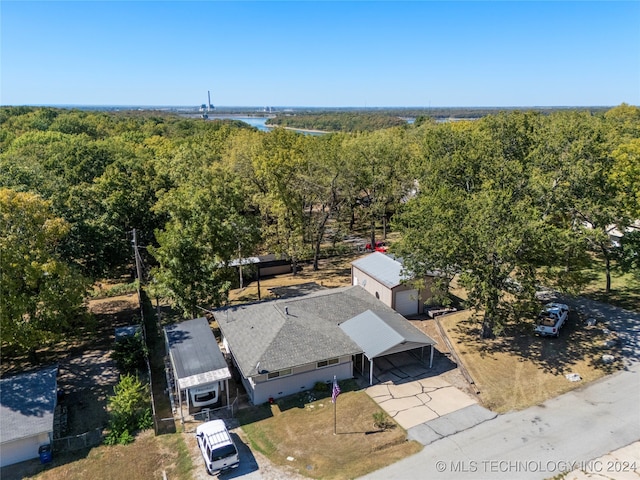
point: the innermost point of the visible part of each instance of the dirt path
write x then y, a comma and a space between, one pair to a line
87, 374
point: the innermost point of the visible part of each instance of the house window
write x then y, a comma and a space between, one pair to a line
325, 363
280, 373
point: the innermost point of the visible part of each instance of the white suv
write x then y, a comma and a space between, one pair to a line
217, 447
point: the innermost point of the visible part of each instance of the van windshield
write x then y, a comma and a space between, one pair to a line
223, 452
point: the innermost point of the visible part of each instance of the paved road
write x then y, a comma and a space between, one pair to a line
538, 442
560, 435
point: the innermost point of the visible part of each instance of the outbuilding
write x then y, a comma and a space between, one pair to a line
385, 278
27, 409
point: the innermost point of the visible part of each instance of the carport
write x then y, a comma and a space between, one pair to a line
384, 333
195, 357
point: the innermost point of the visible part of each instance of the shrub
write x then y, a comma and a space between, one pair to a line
116, 290
130, 353
321, 387
380, 420
129, 410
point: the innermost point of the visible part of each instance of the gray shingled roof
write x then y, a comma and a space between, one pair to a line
195, 354
263, 333
383, 268
379, 333
27, 404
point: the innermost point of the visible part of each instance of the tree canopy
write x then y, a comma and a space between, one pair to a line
507, 201
42, 295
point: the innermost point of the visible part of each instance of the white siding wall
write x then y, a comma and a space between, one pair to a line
303, 378
372, 286
22, 449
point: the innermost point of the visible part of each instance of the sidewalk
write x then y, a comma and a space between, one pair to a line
623, 463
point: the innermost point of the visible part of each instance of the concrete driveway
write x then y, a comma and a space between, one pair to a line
413, 394
419, 401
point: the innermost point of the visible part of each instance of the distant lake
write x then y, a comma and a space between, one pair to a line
258, 122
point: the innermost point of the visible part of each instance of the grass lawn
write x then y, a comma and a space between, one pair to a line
301, 427
625, 289
148, 457
519, 369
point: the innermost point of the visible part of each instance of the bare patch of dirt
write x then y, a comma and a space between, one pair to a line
332, 273
86, 381
88, 374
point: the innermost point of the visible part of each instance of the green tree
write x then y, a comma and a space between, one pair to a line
278, 165
625, 174
129, 410
323, 180
376, 165
208, 222
474, 215
130, 354
42, 295
573, 165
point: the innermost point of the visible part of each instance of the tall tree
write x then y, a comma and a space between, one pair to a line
42, 295
208, 220
572, 162
323, 180
474, 215
278, 166
377, 165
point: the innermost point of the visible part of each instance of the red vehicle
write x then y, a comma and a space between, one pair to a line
379, 247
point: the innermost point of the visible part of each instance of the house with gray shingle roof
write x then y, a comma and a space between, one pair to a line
27, 407
384, 277
285, 346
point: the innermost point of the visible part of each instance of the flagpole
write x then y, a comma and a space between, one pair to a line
335, 391
335, 417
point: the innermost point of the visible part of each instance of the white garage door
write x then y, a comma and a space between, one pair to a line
407, 302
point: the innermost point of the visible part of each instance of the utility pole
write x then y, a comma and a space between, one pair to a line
136, 254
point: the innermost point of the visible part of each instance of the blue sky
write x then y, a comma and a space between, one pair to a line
320, 53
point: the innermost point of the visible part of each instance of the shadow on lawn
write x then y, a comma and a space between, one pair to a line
31, 468
576, 342
628, 298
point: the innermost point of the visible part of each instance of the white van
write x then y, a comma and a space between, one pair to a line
204, 395
217, 447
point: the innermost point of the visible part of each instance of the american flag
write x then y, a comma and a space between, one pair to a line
336, 390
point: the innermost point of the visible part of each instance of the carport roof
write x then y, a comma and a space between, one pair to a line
382, 333
195, 355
